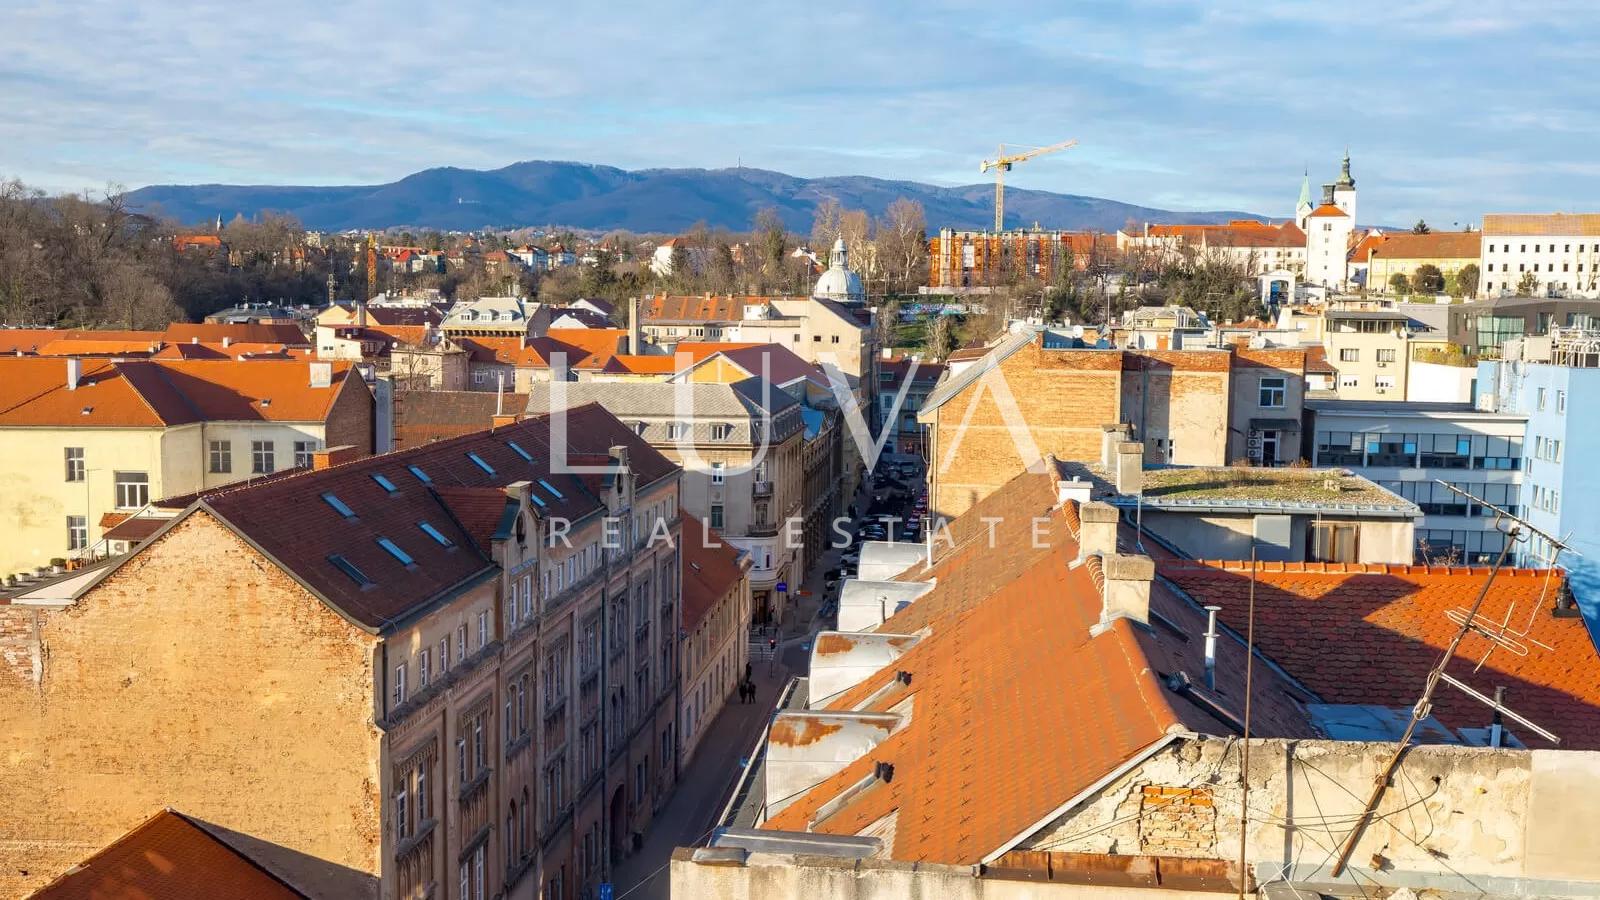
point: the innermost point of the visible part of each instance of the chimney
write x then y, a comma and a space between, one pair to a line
1097, 530
1211, 647
1075, 491
502, 420
1130, 468
1110, 436
321, 374
633, 327
888, 353
361, 313
1125, 593
74, 372
329, 457
619, 457
226, 342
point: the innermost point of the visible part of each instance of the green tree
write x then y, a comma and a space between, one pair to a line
1400, 283
941, 336
1528, 285
1467, 281
1421, 228
1427, 279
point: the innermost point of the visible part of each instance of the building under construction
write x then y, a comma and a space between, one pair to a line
977, 260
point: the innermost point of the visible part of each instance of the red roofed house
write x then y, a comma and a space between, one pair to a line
90, 437
446, 671
716, 628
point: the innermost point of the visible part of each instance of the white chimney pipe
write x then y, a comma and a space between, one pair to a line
74, 372
1211, 647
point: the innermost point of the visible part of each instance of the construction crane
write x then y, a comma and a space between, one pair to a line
1002, 163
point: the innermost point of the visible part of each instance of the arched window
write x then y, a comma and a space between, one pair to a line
511, 842
526, 816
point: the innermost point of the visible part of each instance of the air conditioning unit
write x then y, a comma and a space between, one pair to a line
1383, 365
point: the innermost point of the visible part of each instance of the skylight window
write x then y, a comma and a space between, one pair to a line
537, 499
436, 534
480, 463
520, 452
395, 551
384, 483
553, 492
339, 506
349, 568
421, 475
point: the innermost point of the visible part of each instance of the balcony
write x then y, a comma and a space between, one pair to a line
761, 488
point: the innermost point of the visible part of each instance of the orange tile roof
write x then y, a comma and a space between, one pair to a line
696, 307
1532, 224
149, 394
642, 365
1327, 210
29, 340
1437, 245
1017, 707
1330, 624
711, 568
253, 332
167, 857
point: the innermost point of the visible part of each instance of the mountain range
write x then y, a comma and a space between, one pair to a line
585, 196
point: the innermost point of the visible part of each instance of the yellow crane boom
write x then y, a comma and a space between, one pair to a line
1002, 163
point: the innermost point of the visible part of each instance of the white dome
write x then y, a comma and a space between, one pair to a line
839, 283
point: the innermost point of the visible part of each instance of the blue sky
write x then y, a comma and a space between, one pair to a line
1450, 109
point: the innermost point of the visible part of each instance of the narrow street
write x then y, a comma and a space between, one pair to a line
706, 783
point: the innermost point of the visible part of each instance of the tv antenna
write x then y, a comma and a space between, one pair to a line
1516, 529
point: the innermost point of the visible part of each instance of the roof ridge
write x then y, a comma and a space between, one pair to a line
1310, 567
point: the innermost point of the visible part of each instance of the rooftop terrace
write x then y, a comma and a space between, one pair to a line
1298, 486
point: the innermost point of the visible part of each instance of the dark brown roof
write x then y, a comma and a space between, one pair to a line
297, 519
168, 857
422, 417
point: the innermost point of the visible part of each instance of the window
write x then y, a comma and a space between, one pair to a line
721, 431
303, 451
402, 818
1386, 355
551, 488
1539, 399
77, 532
384, 483
221, 456
1561, 402
1273, 391
461, 643
350, 570
483, 630
399, 684
716, 515
676, 431
1349, 381
478, 461
444, 655
437, 535
1349, 354
1333, 542
717, 473
262, 457
424, 668
338, 505
395, 551
421, 475
75, 470
133, 490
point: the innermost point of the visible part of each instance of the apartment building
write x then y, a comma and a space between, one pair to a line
1479, 328
1404, 254
1548, 380
907, 380
1558, 253
90, 442
741, 447
1266, 404
1371, 348
817, 330
1411, 447
446, 672
1027, 399
716, 627
1256, 248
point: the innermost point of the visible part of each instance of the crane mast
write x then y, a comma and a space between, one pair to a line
1002, 163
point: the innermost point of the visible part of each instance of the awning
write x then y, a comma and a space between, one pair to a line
135, 530
1274, 424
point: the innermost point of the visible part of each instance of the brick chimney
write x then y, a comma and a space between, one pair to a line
1097, 534
1125, 590
501, 420
328, 457
1130, 468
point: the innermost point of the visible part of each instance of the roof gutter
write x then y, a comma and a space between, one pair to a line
1094, 788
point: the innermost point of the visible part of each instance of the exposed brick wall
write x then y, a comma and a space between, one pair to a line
19, 645
199, 676
1176, 821
350, 419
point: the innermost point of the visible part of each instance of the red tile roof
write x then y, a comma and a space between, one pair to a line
1437, 245
1331, 625
1533, 224
1327, 210
30, 340
251, 332
421, 417
711, 568
697, 308
168, 857
1317, 361
290, 519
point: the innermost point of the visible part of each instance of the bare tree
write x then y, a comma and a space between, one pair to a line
902, 245
825, 224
